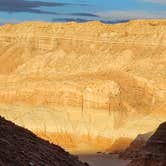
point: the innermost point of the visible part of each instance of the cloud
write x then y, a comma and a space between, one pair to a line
156, 1
129, 15
28, 6
84, 14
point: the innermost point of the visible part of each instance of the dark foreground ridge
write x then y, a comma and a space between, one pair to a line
154, 152
20, 147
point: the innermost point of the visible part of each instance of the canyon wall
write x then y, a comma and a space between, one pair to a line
84, 86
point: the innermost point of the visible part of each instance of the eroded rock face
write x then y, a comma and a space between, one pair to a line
157, 143
19, 146
133, 151
154, 152
70, 82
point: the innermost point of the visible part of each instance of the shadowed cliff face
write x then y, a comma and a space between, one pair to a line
133, 151
154, 151
90, 82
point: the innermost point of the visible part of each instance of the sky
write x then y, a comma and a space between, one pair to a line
13, 11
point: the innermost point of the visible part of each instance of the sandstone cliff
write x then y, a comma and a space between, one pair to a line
91, 83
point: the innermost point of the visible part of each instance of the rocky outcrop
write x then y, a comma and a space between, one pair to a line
154, 152
133, 151
20, 147
86, 82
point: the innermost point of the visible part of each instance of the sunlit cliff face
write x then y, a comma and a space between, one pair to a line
87, 87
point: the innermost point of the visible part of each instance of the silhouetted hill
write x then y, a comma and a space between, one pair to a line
20, 147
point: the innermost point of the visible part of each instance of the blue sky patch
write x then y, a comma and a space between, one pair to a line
12, 11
